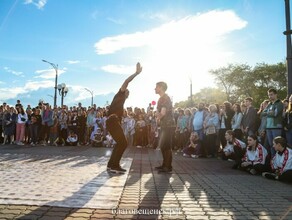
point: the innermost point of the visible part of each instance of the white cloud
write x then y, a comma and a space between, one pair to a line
73, 61
16, 73
49, 73
119, 69
36, 85
176, 52
202, 27
40, 4
14, 92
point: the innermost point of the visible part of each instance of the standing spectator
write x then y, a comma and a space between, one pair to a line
18, 105
131, 124
288, 122
225, 116
180, 130
27, 136
33, 130
274, 112
236, 121
262, 128
211, 125
47, 122
248, 122
89, 124
20, 126
63, 126
140, 130
1, 123
9, 121
81, 125
198, 120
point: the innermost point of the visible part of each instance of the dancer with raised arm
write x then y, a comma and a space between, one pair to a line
113, 124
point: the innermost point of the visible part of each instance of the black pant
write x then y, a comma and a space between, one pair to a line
165, 146
114, 128
260, 168
286, 176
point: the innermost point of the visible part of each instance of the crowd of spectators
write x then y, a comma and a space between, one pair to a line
258, 140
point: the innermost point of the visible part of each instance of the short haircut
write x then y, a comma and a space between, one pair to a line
250, 99
230, 132
163, 85
273, 91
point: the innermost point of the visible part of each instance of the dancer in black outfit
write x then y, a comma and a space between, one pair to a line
113, 124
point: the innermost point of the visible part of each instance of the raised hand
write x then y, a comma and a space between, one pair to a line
138, 68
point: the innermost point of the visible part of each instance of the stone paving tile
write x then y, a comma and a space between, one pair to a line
197, 189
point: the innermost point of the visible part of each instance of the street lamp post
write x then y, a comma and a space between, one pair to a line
288, 33
55, 66
91, 92
63, 90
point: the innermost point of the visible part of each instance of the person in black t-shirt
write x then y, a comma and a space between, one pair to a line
113, 124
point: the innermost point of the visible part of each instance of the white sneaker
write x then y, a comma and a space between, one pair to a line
20, 143
139, 146
194, 156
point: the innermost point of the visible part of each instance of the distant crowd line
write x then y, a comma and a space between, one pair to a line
257, 140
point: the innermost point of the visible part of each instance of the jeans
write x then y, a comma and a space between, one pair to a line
271, 134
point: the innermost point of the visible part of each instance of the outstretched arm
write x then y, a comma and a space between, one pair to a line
130, 78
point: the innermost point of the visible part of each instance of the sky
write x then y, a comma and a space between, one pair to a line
97, 43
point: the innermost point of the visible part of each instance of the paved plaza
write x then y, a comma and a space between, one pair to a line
73, 183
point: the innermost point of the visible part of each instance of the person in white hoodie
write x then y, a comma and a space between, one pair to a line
281, 163
20, 126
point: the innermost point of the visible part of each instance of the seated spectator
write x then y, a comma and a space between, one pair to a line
254, 160
234, 149
96, 138
59, 141
109, 141
281, 163
72, 139
193, 148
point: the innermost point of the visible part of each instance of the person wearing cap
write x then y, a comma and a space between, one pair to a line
113, 123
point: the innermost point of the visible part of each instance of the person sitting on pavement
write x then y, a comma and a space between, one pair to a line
281, 163
254, 160
96, 138
234, 149
72, 139
193, 148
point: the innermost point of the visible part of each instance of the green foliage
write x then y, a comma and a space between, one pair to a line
237, 81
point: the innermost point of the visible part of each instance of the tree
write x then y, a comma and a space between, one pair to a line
206, 95
240, 80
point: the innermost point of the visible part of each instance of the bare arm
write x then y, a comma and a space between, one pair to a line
130, 78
